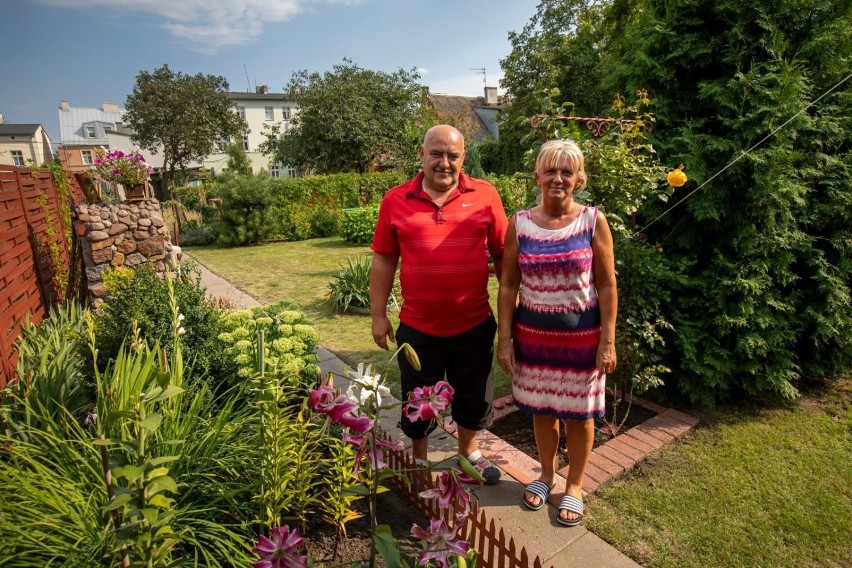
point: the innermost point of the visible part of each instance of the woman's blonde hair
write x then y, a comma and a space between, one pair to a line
554, 152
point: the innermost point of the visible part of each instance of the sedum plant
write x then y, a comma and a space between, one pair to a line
290, 342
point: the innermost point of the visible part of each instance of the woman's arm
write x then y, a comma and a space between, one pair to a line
507, 300
603, 265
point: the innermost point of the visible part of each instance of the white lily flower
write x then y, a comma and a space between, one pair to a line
367, 384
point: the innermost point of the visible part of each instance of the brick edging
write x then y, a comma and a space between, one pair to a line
608, 461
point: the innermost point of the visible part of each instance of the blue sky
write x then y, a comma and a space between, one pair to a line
90, 51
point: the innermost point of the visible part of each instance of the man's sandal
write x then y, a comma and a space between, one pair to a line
570, 504
541, 490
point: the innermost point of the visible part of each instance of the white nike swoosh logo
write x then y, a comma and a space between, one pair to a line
466, 204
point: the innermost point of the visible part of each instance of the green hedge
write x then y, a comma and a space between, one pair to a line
256, 208
252, 209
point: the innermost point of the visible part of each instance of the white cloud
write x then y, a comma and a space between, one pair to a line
207, 26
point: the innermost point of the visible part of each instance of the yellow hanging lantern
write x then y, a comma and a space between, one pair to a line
676, 177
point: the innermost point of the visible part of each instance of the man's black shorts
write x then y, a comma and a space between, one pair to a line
464, 361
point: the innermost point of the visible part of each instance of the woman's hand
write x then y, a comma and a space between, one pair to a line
506, 357
606, 358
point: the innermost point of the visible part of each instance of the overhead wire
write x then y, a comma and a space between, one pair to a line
744, 154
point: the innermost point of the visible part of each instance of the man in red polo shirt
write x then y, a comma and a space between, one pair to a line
439, 225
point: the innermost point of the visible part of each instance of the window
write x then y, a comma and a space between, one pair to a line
270, 114
246, 143
291, 172
86, 155
222, 143
275, 170
90, 131
286, 111
18, 157
241, 112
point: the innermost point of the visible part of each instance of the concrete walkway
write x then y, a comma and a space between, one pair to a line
537, 531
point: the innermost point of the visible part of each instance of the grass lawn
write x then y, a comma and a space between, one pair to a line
302, 271
748, 487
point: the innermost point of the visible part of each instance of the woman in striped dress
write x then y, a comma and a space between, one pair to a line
557, 306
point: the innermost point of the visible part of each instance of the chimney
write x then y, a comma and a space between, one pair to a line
63, 105
261, 89
491, 96
109, 107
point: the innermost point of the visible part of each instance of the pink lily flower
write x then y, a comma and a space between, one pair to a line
362, 442
427, 403
280, 550
449, 485
338, 408
441, 541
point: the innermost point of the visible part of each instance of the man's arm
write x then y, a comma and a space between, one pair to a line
381, 282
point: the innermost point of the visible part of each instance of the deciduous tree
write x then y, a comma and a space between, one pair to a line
184, 115
350, 119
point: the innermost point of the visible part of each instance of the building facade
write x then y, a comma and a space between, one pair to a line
24, 145
84, 133
261, 110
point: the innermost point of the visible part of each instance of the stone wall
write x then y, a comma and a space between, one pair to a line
121, 233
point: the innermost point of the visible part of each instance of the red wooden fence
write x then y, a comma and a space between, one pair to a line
34, 253
495, 548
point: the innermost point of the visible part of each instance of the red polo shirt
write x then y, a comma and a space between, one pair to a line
443, 268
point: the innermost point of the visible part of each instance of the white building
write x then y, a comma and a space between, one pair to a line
24, 145
260, 109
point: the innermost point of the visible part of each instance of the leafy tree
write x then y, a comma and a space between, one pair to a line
765, 244
560, 47
350, 119
238, 161
185, 114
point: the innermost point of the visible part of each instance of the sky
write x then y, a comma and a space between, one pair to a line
90, 51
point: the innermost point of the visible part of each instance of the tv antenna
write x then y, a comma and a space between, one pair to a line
480, 71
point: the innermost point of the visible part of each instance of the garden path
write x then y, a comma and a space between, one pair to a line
538, 532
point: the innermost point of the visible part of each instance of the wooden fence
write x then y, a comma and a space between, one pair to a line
37, 268
495, 549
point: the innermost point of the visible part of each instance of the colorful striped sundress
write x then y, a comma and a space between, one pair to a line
557, 328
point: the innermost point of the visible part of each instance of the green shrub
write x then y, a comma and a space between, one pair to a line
247, 212
358, 225
54, 364
296, 222
290, 341
252, 209
516, 191
351, 287
197, 237
324, 222
142, 295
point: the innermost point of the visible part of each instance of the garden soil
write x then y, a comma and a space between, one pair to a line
516, 428
329, 549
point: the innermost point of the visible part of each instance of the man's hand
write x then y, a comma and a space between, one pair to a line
382, 331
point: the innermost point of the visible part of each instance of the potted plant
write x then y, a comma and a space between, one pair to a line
130, 170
